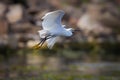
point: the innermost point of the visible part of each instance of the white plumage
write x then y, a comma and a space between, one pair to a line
52, 28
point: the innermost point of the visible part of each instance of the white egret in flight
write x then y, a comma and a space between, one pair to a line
52, 29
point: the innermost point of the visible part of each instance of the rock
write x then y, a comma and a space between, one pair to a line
88, 24
13, 41
100, 21
31, 43
21, 27
3, 40
111, 16
3, 27
2, 9
15, 13
37, 5
90, 21
55, 4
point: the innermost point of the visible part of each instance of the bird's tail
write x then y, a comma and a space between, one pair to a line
51, 42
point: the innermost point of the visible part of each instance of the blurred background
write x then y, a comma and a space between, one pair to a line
93, 53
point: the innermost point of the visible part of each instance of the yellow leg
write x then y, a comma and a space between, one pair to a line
39, 45
36, 46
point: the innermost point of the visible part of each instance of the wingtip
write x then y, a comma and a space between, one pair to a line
60, 11
57, 11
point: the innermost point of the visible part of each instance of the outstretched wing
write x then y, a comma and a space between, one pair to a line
52, 20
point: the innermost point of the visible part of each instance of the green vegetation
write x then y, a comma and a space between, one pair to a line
71, 51
66, 76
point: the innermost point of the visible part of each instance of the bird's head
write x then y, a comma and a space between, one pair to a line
73, 30
70, 29
69, 32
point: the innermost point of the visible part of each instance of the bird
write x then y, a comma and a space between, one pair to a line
53, 29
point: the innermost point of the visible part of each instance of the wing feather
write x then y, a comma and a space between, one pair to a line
52, 20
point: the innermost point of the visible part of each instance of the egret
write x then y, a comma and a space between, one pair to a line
53, 29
